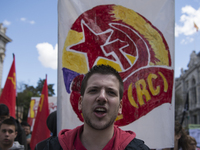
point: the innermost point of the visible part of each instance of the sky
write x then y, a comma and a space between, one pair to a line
33, 28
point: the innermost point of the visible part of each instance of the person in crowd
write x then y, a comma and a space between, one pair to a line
8, 132
4, 112
52, 126
27, 129
21, 136
52, 123
180, 138
100, 103
192, 143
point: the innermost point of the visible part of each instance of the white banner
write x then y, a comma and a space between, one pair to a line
196, 134
194, 131
137, 39
34, 106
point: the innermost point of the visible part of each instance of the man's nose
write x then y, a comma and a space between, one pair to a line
102, 96
7, 133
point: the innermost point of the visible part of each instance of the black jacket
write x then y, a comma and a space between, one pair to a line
53, 144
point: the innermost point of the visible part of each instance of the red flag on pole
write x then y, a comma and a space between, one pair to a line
197, 28
8, 95
40, 129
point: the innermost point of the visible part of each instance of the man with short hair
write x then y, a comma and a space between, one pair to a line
27, 129
4, 114
8, 132
100, 103
192, 143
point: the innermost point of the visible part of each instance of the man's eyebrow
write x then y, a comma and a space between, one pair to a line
93, 87
113, 89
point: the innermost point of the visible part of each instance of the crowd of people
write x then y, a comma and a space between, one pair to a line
182, 140
17, 136
20, 139
100, 103
27, 129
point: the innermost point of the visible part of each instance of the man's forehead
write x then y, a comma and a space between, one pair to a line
98, 77
97, 80
104, 75
27, 127
7, 126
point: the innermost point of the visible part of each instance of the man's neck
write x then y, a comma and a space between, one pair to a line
2, 147
96, 139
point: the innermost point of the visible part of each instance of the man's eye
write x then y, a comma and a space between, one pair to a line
112, 93
4, 131
10, 131
92, 90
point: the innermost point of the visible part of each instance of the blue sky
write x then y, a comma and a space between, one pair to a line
33, 27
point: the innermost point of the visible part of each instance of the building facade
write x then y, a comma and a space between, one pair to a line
3, 41
187, 92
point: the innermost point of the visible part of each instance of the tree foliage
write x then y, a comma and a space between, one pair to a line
39, 87
25, 92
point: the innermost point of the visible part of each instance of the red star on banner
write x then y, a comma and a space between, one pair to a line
92, 45
117, 48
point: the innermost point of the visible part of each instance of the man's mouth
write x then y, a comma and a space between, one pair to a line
100, 112
6, 140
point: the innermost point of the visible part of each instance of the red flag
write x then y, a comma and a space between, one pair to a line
197, 28
40, 129
8, 95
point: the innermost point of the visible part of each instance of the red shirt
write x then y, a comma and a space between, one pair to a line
79, 146
70, 139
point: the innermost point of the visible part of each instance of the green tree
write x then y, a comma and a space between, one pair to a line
39, 87
25, 92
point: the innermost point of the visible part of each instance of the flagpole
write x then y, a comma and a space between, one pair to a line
197, 28
17, 107
195, 42
16, 96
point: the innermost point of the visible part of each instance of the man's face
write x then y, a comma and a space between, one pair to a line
192, 145
3, 117
101, 103
7, 135
27, 130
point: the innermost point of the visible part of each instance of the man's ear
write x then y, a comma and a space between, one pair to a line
15, 134
120, 107
80, 103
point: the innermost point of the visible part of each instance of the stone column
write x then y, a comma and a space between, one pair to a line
198, 86
3, 41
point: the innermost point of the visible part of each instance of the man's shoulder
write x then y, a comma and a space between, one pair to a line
51, 144
28, 136
137, 144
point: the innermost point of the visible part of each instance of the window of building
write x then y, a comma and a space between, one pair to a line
194, 97
187, 85
195, 119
